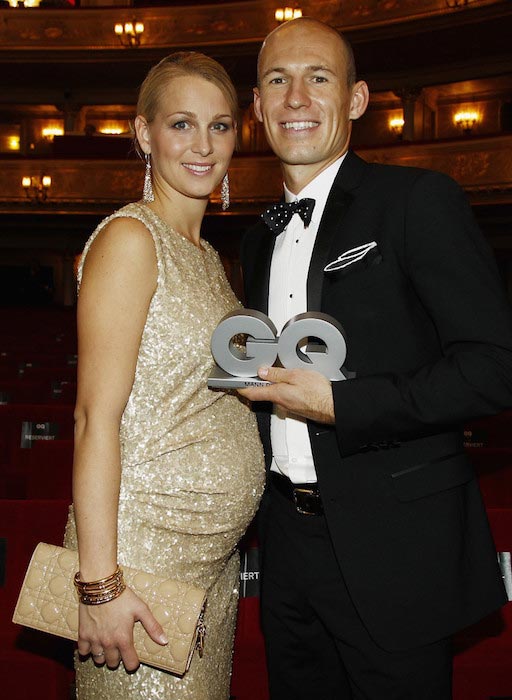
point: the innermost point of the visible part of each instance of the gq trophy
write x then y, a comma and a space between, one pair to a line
312, 340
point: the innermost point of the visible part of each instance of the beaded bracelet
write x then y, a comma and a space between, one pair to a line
101, 591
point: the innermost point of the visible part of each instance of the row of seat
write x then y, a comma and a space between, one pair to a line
36, 446
32, 434
37, 323
32, 664
37, 393
41, 392
483, 652
482, 661
21, 426
38, 359
46, 472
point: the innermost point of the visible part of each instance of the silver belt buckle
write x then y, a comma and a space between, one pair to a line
301, 497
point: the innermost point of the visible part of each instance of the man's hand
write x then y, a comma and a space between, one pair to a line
301, 391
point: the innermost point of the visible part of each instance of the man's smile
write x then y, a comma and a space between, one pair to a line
299, 126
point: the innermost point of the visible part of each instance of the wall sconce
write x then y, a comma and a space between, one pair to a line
396, 126
113, 127
457, 3
26, 3
13, 143
36, 187
466, 121
129, 33
284, 14
50, 131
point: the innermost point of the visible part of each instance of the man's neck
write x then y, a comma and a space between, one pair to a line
297, 177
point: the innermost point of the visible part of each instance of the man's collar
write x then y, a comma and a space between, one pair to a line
319, 188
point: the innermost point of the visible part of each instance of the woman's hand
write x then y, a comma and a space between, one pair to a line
106, 631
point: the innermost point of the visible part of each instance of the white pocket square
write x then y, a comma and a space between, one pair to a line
350, 256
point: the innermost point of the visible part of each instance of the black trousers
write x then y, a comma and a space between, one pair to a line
317, 647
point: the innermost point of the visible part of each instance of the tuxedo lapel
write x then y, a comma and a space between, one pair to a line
261, 267
331, 224
334, 213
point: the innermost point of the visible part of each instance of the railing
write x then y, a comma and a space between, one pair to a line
209, 24
482, 166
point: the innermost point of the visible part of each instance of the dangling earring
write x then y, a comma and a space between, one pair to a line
147, 190
224, 192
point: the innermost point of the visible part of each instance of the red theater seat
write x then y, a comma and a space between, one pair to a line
26, 676
50, 374
12, 418
483, 660
23, 524
21, 391
249, 680
500, 520
49, 470
494, 431
47, 473
493, 466
32, 664
64, 392
482, 665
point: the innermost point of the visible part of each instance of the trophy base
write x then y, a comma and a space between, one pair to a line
219, 379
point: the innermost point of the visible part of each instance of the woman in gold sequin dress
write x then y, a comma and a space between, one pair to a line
167, 474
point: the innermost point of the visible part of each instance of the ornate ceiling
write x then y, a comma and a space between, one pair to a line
48, 53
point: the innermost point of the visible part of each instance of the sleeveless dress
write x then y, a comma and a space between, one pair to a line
192, 466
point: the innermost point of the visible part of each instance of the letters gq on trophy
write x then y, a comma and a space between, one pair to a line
311, 340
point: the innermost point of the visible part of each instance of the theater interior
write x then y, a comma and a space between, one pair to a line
440, 78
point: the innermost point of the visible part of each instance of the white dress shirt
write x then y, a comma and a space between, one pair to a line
287, 297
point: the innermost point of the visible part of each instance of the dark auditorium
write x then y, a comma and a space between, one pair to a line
72, 152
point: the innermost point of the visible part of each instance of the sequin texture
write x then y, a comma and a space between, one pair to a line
192, 466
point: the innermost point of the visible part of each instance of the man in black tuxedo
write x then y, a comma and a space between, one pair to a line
375, 542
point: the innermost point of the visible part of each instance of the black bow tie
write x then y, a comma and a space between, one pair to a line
277, 217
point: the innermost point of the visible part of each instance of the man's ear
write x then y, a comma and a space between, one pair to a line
359, 100
257, 104
142, 132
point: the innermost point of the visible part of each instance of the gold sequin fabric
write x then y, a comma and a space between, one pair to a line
192, 466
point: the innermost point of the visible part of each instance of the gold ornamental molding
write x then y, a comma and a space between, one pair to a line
101, 186
482, 166
77, 186
59, 30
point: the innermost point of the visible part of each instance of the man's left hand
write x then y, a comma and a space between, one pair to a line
303, 392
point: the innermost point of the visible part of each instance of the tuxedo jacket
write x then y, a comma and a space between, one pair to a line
429, 338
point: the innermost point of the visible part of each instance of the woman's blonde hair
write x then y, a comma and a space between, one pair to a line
179, 64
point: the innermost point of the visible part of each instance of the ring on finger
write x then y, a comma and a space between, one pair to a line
100, 653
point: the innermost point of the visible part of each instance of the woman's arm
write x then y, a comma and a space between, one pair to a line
119, 279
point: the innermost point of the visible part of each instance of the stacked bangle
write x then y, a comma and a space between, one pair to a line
101, 591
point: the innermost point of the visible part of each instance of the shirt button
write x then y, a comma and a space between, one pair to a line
291, 296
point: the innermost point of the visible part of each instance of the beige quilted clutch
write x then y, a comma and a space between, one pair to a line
48, 602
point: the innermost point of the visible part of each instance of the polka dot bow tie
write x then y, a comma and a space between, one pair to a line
277, 217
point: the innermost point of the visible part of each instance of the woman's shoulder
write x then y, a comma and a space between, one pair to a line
123, 229
134, 216
123, 233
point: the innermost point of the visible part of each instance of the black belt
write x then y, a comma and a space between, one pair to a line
305, 497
